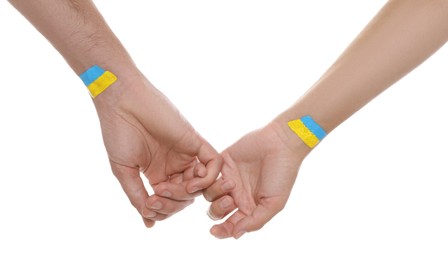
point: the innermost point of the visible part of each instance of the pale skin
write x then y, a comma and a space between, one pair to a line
178, 162
142, 131
263, 165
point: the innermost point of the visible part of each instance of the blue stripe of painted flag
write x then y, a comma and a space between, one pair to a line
313, 127
91, 74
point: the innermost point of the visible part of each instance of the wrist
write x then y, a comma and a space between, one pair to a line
119, 95
288, 137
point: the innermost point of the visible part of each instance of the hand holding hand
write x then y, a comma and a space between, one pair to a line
144, 133
257, 177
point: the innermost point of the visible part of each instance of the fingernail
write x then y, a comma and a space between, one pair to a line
150, 214
225, 203
211, 216
219, 236
216, 233
227, 186
194, 189
156, 205
239, 234
166, 194
147, 225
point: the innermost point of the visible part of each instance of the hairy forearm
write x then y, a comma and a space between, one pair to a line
80, 34
402, 35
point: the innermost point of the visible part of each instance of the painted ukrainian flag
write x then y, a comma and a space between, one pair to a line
97, 80
308, 130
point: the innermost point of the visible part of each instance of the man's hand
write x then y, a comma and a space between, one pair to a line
144, 133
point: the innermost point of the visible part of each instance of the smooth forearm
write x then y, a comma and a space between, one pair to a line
398, 39
80, 34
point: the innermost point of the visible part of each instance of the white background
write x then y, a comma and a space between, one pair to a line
376, 188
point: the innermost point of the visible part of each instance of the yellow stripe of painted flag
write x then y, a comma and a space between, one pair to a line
101, 83
303, 132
